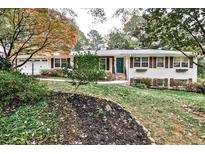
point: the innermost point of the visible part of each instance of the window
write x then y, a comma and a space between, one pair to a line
184, 62
60, 62
176, 61
103, 63
137, 61
160, 61
57, 62
144, 61
63, 62
141, 62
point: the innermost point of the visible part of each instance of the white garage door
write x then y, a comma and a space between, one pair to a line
34, 67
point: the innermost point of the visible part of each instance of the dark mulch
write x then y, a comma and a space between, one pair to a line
89, 120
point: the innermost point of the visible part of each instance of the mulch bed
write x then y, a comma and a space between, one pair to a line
89, 120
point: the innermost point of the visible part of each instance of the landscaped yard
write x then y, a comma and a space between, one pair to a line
164, 113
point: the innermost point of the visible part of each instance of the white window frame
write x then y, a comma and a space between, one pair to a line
105, 64
187, 62
157, 62
180, 63
60, 62
141, 61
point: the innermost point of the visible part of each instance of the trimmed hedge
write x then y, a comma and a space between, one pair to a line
175, 84
53, 72
17, 89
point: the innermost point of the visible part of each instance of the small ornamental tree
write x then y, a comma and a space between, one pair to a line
86, 69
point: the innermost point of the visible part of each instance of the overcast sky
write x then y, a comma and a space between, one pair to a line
85, 21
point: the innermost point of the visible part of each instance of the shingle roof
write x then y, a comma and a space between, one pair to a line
153, 52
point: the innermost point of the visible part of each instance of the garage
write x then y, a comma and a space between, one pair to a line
33, 66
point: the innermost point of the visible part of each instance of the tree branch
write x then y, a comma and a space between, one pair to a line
189, 57
199, 44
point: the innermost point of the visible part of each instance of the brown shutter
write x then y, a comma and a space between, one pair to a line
191, 62
166, 62
131, 62
154, 62
108, 63
52, 62
113, 65
166, 82
171, 82
150, 62
68, 61
171, 62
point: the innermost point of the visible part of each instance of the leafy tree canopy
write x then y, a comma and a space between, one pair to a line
117, 40
95, 40
30, 31
82, 43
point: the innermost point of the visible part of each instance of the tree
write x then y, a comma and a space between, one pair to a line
86, 69
117, 40
179, 29
82, 43
136, 29
95, 40
30, 31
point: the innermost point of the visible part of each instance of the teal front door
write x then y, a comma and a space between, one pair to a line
120, 65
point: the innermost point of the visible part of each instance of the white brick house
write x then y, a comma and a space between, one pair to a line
149, 63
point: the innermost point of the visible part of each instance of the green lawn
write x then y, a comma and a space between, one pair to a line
160, 111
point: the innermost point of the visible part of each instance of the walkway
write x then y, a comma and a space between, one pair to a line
100, 82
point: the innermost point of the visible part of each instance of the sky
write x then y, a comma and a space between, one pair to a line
85, 22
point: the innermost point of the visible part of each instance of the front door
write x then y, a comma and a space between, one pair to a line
120, 65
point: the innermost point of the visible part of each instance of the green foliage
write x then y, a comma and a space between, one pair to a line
95, 40
86, 69
16, 89
178, 28
141, 85
117, 40
82, 43
4, 64
30, 124
136, 28
53, 72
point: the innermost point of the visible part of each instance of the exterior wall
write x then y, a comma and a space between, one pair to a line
163, 72
34, 67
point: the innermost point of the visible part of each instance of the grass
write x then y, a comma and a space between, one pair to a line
160, 111
29, 124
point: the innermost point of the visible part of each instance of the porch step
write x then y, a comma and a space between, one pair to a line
120, 76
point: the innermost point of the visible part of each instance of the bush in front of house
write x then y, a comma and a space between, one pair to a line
53, 72
195, 87
144, 81
86, 69
17, 89
141, 85
5, 64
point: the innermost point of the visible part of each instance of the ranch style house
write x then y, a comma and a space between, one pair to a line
164, 65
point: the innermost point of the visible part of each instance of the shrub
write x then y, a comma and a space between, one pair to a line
158, 82
86, 69
5, 64
53, 72
16, 89
145, 81
141, 85
195, 87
